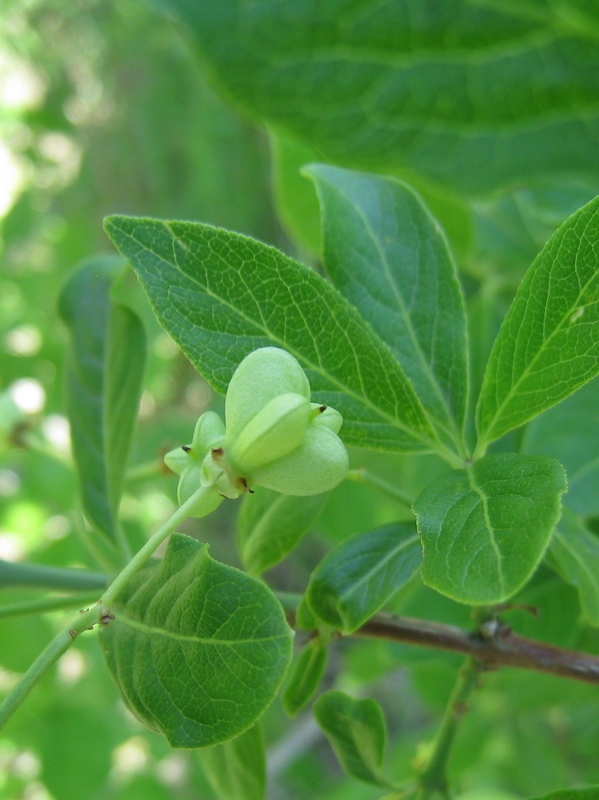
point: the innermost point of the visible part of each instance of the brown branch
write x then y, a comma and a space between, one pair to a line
502, 649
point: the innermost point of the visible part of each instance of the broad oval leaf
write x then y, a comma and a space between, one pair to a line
198, 649
237, 769
485, 529
270, 525
358, 577
221, 295
574, 554
548, 344
388, 256
357, 732
476, 96
104, 381
305, 676
563, 432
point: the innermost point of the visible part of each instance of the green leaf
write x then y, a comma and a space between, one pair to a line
358, 577
305, 676
574, 554
387, 255
305, 617
270, 525
198, 649
237, 769
548, 345
485, 529
221, 295
357, 732
590, 793
297, 204
104, 380
462, 93
563, 432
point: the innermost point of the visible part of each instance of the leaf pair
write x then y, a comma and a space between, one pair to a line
387, 348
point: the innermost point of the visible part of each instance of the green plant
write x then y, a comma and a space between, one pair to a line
471, 398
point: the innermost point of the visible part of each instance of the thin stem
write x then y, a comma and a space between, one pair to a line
433, 779
362, 475
100, 611
41, 576
44, 604
146, 552
503, 649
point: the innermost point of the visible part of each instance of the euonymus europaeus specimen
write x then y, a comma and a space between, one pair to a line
373, 356
411, 451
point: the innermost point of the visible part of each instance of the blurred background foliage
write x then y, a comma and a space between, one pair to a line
103, 110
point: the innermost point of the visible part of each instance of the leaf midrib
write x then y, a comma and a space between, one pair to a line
484, 500
450, 430
366, 576
150, 630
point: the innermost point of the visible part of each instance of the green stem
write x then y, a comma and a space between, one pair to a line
41, 576
362, 475
433, 780
143, 555
44, 604
98, 613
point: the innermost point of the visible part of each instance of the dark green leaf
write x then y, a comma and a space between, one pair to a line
563, 432
306, 674
548, 345
270, 525
198, 649
358, 578
105, 373
485, 529
387, 255
473, 95
574, 554
221, 295
357, 732
237, 769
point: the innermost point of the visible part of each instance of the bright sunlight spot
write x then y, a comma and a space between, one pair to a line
28, 394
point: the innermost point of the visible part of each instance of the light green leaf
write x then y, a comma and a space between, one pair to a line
548, 345
388, 256
358, 577
237, 769
357, 732
590, 793
221, 295
270, 525
305, 676
105, 373
485, 529
477, 96
297, 204
563, 432
198, 649
574, 554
